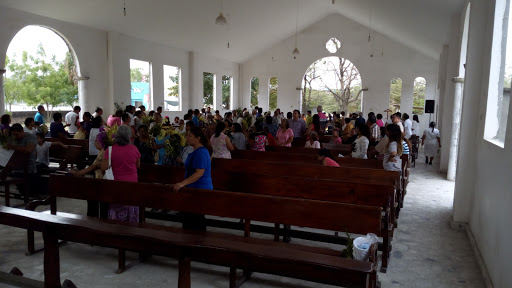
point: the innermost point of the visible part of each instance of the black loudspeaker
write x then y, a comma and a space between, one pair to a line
429, 106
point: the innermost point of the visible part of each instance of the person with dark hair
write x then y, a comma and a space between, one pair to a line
72, 119
309, 117
374, 130
86, 125
30, 126
142, 109
197, 175
407, 126
432, 142
146, 145
415, 125
315, 125
360, 145
158, 115
39, 115
124, 160
258, 139
115, 119
347, 127
126, 121
4, 124
239, 139
217, 116
397, 120
96, 124
195, 118
297, 124
269, 124
284, 135
56, 128
289, 115
98, 112
325, 157
379, 122
394, 149
25, 143
221, 144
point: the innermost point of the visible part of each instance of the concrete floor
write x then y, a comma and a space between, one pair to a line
426, 252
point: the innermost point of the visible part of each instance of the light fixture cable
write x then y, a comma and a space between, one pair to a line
124, 7
296, 50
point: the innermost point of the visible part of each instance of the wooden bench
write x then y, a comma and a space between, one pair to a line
17, 162
256, 255
84, 143
333, 190
73, 155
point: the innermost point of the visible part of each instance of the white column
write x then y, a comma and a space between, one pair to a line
2, 93
454, 143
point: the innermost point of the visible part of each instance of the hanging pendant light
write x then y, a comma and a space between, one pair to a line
221, 20
296, 50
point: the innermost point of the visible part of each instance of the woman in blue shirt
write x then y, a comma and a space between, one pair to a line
197, 175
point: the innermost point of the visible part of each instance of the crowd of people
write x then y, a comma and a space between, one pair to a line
131, 136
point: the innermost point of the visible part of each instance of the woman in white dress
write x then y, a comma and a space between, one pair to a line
415, 125
432, 142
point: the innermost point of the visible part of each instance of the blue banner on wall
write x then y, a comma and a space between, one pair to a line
141, 94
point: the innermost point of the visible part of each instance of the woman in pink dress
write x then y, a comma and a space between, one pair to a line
284, 135
324, 155
115, 119
125, 161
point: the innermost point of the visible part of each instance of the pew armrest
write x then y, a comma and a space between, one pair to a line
32, 205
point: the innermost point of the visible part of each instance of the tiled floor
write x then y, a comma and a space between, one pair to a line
426, 252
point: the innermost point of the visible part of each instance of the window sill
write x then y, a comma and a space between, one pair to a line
495, 142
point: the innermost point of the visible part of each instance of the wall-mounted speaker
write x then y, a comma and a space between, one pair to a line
429, 106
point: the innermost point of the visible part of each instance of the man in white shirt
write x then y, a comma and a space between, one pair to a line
407, 126
131, 110
72, 118
396, 119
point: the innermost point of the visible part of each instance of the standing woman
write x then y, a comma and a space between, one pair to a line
284, 135
314, 126
432, 142
360, 145
5, 125
415, 125
125, 160
221, 144
197, 175
394, 149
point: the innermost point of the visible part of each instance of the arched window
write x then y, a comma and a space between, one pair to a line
334, 83
255, 87
226, 92
418, 104
208, 90
41, 68
272, 93
395, 95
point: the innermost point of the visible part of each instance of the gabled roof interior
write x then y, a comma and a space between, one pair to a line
255, 25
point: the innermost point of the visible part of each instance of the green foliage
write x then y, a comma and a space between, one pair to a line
35, 81
174, 90
226, 92
419, 96
136, 75
329, 103
349, 250
272, 95
255, 87
395, 94
208, 89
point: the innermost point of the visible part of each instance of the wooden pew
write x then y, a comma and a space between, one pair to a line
343, 149
64, 157
257, 255
84, 143
226, 177
17, 162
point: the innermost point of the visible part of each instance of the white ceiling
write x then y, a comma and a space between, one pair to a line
255, 25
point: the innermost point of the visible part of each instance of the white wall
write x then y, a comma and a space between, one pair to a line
482, 189
376, 73
89, 45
